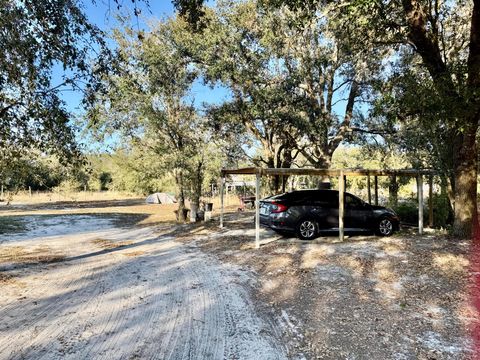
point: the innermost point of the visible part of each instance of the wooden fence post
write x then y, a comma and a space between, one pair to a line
341, 204
222, 184
430, 201
257, 211
369, 190
420, 203
376, 190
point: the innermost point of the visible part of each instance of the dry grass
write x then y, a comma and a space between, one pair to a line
134, 253
24, 197
109, 203
316, 256
109, 244
450, 264
6, 279
20, 255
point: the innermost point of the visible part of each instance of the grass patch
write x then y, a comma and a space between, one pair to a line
10, 224
18, 254
109, 244
6, 279
134, 253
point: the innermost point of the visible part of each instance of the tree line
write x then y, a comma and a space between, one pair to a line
303, 77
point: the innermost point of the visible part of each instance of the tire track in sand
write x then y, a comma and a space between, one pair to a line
163, 302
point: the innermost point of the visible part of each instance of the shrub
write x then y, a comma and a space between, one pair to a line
442, 214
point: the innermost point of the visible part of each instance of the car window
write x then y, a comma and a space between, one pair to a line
353, 202
298, 195
326, 198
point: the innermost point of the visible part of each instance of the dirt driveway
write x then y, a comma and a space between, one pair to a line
116, 282
81, 287
401, 297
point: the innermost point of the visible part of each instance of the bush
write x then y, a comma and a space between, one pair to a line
69, 189
407, 211
442, 215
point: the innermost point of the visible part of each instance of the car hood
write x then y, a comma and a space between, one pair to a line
378, 208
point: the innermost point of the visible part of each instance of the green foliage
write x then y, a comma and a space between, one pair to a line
285, 67
167, 141
34, 170
407, 210
70, 185
36, 36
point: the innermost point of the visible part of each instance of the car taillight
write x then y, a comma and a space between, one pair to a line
278, 208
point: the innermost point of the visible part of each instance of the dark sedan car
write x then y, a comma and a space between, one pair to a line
309, 212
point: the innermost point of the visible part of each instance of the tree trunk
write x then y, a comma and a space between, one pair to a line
446, 191
197, 192
180, 196
465, 168
393, 191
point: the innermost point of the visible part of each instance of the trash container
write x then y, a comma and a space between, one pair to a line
208, 211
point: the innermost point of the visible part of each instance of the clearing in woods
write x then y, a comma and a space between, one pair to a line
119, 279
77, 285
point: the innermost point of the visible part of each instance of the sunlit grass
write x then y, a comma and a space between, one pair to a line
21, 255
109, 244
450, 264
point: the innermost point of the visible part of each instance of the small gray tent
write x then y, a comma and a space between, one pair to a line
160, 198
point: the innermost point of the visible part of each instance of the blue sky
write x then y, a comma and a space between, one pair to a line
102, 13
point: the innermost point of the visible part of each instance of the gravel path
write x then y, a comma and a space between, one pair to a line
128, 294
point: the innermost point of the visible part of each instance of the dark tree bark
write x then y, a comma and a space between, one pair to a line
196, 191
466, 113
393, 191
321, 149
465, 171
465, 160
180, 195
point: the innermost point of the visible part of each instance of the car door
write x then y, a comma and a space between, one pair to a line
357, 213
325, 208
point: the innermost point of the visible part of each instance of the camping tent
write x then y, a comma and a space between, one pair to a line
160, 198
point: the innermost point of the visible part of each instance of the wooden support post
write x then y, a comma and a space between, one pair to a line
1, 193
430, 201
341, 206
30, 191
369, 190
376, 190
222, 185
226, 194
344, 182
420, 203
257, 212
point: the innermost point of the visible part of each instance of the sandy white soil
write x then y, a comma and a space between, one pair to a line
142, 296
401, 297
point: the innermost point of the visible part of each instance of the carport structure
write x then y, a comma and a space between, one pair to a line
342, 176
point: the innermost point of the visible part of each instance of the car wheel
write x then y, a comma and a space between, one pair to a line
307, 229
385, 227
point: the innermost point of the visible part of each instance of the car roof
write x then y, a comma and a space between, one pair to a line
292, 193
298, 192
